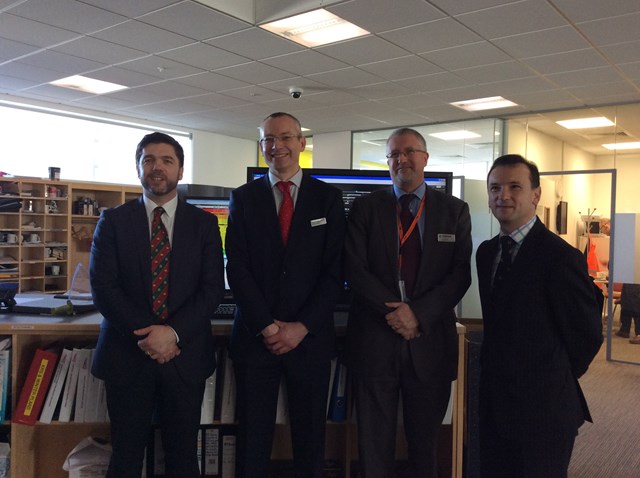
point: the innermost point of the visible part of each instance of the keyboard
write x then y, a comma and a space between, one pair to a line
225, 311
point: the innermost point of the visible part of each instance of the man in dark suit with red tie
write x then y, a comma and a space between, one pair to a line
157, 277
408, 253
284, 241
542, 329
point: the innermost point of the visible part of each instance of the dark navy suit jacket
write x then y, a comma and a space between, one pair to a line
301, 282
542, 329
120, 272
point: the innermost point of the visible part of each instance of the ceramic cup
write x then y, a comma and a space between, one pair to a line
55, 270
12, 238
34, 238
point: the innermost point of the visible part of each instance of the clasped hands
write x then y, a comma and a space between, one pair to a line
402, 320
159, 342
282, 337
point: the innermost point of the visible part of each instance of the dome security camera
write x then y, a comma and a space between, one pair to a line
295, 92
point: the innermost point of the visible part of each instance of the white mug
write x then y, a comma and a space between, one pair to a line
55, 270
12, 238
34, 238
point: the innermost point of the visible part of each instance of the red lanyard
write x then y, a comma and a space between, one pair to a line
404, 236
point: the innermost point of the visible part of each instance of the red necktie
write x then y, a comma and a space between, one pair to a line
412, 248
160, 250
286, 209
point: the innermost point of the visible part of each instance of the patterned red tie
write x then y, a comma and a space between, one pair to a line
286, 209
160, 250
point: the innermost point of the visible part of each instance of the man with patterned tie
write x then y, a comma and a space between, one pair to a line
408, 253
157, 277
542, 328
284, 242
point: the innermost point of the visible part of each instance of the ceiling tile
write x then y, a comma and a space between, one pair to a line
68, 14
123, 77
98, 50
435, 82
569, 61
497, 72
586, 77
465, 56
204, 56
622, 52
255, 43
456, 7
255, 71
613, 30
10, 49
346, 78
143, 37
160, 67
377, 16
363, 50
33, 73
193, 20
431, 36
525, 16
583, 11
305, 62
131, 9
400, 68
555, 40
212, 82
32, 33
67, 65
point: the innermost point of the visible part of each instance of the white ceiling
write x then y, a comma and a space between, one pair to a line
192, 66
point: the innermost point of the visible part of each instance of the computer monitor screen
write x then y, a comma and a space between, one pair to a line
219, 207
354, 183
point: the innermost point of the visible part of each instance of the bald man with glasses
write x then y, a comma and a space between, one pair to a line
407, 255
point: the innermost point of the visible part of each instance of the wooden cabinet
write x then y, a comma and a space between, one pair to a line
42, 241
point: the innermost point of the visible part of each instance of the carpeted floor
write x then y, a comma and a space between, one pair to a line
610, 447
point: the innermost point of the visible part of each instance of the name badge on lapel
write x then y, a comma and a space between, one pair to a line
318, 222
446, 238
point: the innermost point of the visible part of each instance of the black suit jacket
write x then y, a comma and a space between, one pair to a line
120, 272
298, 283
542, 328
371, 253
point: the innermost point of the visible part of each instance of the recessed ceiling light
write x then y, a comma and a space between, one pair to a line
315, 28
489, 103
88, 85
455, 135
629, 145
583, 123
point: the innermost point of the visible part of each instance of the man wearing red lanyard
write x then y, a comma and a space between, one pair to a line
408, 253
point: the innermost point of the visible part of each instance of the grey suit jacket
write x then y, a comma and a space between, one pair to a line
371, 255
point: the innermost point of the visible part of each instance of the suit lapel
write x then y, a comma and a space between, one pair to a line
387, 213
142, 244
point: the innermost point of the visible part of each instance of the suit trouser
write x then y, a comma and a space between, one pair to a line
131, 407
424, 405
307, 384
532, 455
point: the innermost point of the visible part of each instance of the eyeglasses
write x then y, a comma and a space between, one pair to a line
395, 155
270, 140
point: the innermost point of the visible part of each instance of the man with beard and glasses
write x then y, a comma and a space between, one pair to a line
157, 277
284, 243
408, 253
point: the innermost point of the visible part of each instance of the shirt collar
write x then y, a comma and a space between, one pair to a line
296, 179
420, 191
519, 234
169, 207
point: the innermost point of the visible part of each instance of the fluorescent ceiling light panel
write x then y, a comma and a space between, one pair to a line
479, 104
583, 123
618, 146
88, 85
315, 28
455, 135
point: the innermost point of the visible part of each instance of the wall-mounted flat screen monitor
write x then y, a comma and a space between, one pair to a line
356, 182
